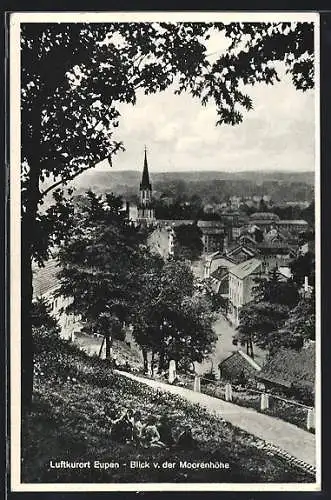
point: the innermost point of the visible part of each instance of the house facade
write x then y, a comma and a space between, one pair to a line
45, 286
241, 283
213, 233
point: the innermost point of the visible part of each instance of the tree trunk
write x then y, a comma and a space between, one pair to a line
28, 232
109, 344
26, 327
162, 362
250, 351
30, 201
144, 351
101, 347
153, 362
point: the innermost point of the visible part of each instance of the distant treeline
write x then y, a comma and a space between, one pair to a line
193, 210
209, 190
220, 190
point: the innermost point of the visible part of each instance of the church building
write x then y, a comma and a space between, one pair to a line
146, 211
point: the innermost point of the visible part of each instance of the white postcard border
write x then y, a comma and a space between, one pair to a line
15, 241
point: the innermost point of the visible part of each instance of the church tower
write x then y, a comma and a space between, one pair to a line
146, 212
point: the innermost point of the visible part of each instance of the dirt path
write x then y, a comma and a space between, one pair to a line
224, 346
293, 440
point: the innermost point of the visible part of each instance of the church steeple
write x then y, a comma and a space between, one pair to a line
145, 182
146, 214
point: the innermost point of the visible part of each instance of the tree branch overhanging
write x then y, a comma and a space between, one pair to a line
64, 181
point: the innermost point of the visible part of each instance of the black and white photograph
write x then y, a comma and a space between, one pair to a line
165, 254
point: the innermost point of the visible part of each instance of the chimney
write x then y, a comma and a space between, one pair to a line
225, 244
306, 284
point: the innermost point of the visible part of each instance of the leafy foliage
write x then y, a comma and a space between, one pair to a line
303, 265
42, 318
298, 367
262, 321
172, 319
301, 321
275, 291
99, 264
188, 242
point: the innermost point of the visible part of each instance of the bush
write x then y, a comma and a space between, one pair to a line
304, 392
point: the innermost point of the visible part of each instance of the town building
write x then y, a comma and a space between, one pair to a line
216, 270
235, 202
45, 286
241, 252
213, 233
275, 254
264, 220
146, 211
215, 261
241, 282
267, 221
162, 239
238, 368
293, 225
284, 273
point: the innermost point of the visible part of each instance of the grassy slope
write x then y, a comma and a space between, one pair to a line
91, 345
69, 422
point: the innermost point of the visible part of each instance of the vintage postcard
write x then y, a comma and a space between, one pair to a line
165, 254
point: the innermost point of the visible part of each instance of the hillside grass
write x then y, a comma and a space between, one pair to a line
73, 397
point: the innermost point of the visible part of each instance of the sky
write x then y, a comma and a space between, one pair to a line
180, 134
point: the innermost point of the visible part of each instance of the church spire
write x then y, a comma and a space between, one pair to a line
145, 182
146, 212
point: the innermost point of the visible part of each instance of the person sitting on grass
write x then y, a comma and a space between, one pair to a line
130, 416
165, 432
127, 366
186, 440
150, 436
121, 429
137, 427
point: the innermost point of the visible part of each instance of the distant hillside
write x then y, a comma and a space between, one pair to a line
132, 177
281, 186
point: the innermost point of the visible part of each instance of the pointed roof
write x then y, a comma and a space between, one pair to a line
145, 182
246, 268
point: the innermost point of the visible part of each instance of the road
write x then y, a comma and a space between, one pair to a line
224, 346
295, 441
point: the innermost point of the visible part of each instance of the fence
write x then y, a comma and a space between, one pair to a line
271, 404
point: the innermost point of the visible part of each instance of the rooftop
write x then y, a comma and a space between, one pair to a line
285, 271
250, 361
300, 222
246, 268
274, 244
264, 216
173, 222
45, 278
210, 223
